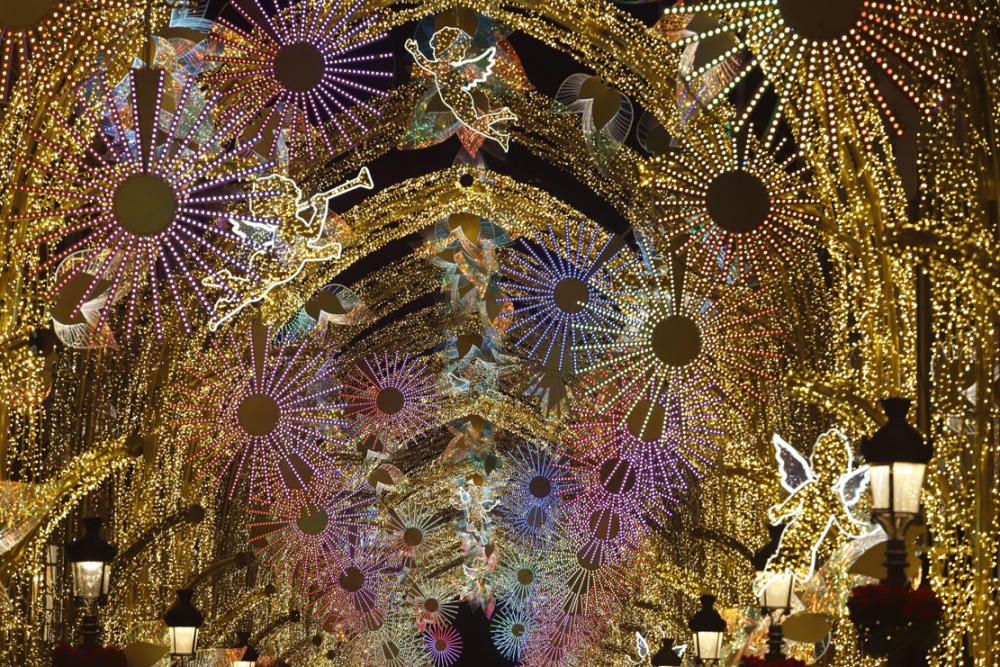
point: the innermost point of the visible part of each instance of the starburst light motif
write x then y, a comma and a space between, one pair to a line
388, 400
444, 644
305, 69
530, 487
671, 325
258, 414
152, 213
829, 56
362, 588
510, 629
549, 282
731, 202
305, 531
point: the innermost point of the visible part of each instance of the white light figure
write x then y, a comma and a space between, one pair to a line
456, 76
287, 248
822, 493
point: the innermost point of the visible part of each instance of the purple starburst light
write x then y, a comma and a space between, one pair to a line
303, 532
550, 283
530, 488
148, 211
444, 644
673, 433
388, 400
258, 414
301, 68
362, 589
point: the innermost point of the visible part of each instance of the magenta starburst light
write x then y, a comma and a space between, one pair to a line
150, 212
257, 414
444, 644
305, 531
302, 68
388, 400
362, 589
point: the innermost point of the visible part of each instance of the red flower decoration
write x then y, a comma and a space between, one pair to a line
895, 620
65, 655
754, 661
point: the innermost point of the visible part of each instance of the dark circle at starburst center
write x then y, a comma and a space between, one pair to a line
821, 20
738, 201
258, 414
390, 400
299, 67
144, 204
676, 340
571, 295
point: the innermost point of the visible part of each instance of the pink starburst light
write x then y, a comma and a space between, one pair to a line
304, 532
303, 68
148, 212
256, 414
360, 592
388, 400
444, 644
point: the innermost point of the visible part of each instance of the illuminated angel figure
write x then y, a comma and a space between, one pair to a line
286, 243
304, 531
258, 414
734, 204
444, 644
827, 57
822, 493
456, 75
549, 283
362, 589
388, 400
301, 69
156, 200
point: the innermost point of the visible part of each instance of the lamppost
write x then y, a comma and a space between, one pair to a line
90, 558
708, 629
897, 457
776, 602
666, 656
183, 620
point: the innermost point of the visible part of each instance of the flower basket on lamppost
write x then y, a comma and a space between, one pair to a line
891, 618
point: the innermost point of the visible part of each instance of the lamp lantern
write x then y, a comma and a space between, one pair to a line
666, 656
184, 620
897, 457
777, 593
90, 557
708, 630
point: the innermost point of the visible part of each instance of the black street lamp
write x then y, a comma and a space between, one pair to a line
183, 620
776, 602
666, 656
90, 558
897, 457
708, 630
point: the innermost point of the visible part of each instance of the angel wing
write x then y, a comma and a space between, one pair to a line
795, 470
477, 70
851, 485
